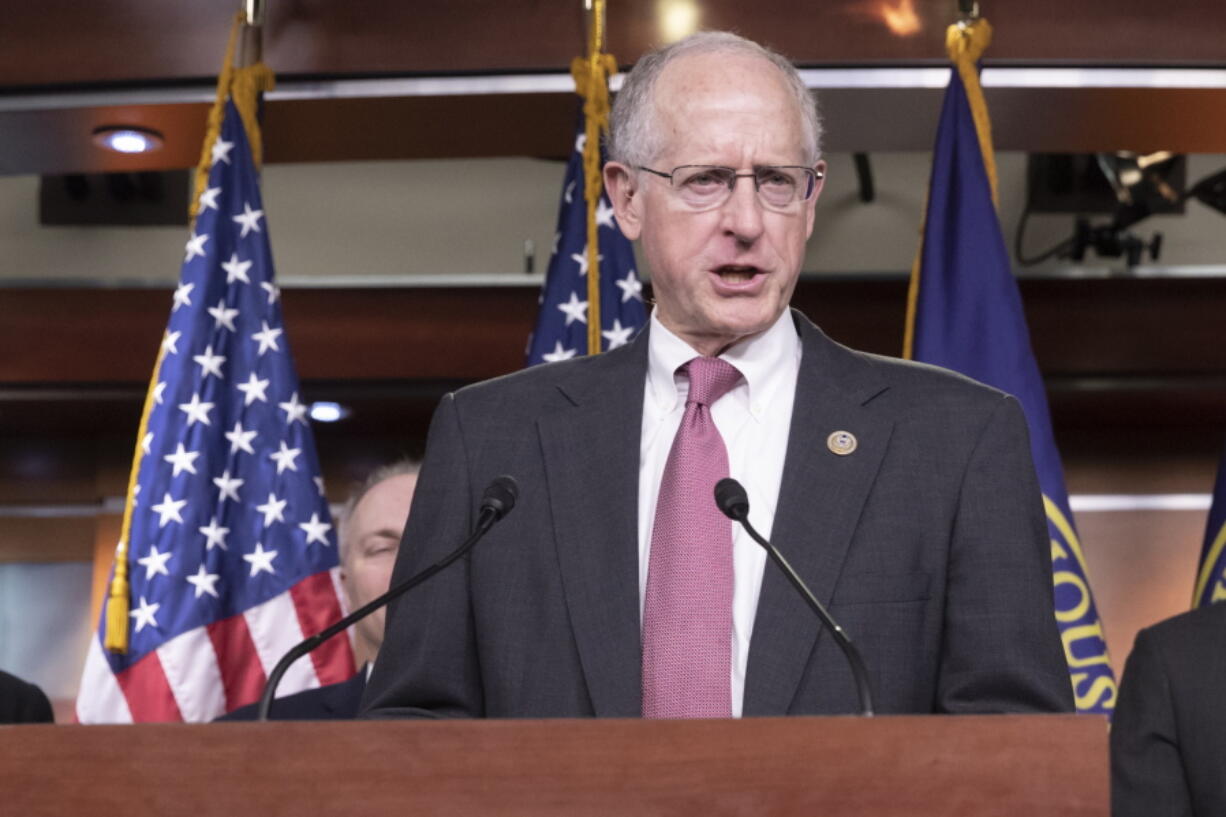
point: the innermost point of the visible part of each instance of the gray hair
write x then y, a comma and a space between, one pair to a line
633, 139
359, 492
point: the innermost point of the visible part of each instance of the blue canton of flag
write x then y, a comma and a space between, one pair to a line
231, 543
1211, 577
968, 317
561, 326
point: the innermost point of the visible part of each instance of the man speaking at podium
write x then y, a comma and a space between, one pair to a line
902, 494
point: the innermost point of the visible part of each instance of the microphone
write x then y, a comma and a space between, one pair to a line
497, 501
733, 502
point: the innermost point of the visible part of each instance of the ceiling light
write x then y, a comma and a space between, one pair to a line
325, 411
126, 139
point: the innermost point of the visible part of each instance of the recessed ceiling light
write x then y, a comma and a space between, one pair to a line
126, 139
325, 411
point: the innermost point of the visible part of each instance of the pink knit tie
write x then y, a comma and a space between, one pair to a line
687, 615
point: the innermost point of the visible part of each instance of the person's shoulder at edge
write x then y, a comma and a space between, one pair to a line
1197, 627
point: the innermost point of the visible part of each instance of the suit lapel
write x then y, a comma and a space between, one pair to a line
820, 499
591, 452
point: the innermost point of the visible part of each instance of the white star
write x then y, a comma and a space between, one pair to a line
316, 530
272, 509
253, 390
183, 460
155, 562
575, 309
570, 190
236, 270
215, 534
223, 316
229, 487
221, 151
267, 336
145, 614
556, 238
170, 341
168, 509
558, 353
261, 560
619, 335
580, 258
250, 219
146, 441
294, 410
205, 582
240, 440
157, 392
604, 215
210, 363
195, 246
285, 457
630, 286
208, 199
183, 296
319, 484
196, 411
274, 291
580, 142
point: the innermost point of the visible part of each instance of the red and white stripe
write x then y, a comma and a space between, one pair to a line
211, 670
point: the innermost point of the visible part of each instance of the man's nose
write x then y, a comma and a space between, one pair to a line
743, 211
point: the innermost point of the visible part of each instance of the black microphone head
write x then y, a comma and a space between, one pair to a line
731, 499
500, 496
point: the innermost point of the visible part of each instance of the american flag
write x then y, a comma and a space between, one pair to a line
561, 325
231, 547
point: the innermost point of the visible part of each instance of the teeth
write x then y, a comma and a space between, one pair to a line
737, 275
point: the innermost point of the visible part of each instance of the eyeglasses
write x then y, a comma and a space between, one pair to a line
704, 187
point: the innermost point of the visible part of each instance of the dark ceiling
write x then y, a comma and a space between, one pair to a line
69, 67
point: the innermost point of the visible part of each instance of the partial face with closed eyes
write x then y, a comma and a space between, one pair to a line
371, 535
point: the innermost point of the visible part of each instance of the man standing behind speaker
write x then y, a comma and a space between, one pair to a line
372, 525
903, 495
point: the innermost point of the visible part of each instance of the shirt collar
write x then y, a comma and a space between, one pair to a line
760, 359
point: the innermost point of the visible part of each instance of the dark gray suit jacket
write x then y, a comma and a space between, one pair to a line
1168, 735
928, 543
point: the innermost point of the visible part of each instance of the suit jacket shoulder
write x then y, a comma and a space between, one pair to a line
22, 702
1168, 737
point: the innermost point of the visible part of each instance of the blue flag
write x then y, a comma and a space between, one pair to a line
1211, 577
968, 317
561, 325
231, 546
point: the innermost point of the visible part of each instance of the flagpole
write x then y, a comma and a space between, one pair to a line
591, 75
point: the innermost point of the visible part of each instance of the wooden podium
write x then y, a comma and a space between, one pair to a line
1051, 765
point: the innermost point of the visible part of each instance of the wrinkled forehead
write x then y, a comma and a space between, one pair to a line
706, 100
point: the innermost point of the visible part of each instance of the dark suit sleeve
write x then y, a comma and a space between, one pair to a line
1147, 775
427, 666
1001, 649
22, 702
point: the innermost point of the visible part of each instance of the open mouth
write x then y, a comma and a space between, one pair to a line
736, 274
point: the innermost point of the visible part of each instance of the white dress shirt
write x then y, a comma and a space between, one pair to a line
754, 419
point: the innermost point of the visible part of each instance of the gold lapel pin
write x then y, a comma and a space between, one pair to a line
841, 443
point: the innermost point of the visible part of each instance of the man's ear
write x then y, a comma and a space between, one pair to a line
621, 184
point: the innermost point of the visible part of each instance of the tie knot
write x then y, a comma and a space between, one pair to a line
710, 379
